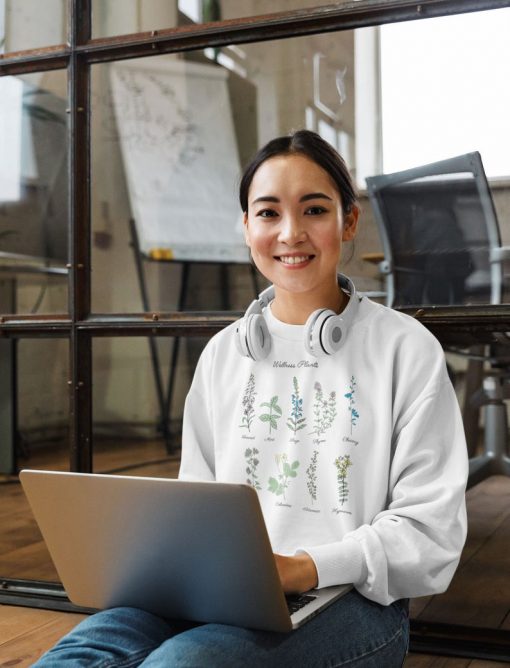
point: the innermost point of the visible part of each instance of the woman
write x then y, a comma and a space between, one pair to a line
340, 413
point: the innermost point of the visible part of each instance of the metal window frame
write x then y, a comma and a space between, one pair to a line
77, 56
80, 326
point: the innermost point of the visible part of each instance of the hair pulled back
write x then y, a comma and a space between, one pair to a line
314, 147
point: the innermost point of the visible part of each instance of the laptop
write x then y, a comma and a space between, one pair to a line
182, 550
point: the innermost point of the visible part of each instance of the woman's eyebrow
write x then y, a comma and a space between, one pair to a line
266, 198
305, 198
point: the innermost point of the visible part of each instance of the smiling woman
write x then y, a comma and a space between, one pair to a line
348, 487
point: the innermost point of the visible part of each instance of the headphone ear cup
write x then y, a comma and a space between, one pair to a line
332, 334
312, 332
323, 333
257, 340
240, 338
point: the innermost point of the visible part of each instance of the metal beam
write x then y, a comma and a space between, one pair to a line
333, 17
452, 325
455, 640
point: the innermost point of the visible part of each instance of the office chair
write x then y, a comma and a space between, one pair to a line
442, 246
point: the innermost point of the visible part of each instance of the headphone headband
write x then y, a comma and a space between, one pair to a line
263, 300
325, 330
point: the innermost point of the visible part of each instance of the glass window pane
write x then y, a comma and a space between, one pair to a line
139, 389
168, 153
34, 431
33, 193
31, 24
452, 102
171, 163
170, 137
117, 17
451, 107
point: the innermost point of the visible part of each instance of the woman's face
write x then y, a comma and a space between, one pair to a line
295, 226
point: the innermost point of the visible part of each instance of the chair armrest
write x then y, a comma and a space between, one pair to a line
499, 254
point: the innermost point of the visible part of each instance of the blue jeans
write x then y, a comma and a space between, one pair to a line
352, 632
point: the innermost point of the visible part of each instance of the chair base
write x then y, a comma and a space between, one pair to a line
495, 459
486, 465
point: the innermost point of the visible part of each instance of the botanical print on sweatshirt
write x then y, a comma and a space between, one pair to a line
350, 500
286, 453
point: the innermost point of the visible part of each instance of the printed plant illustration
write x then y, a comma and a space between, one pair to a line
248, 402
275, 413
342, 464
324, 410
296, 421
311, 475
286, 472
251, 468
350, 396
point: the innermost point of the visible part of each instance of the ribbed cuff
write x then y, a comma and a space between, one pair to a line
338, 563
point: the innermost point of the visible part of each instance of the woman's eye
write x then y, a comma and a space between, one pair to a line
266, 213
315, 210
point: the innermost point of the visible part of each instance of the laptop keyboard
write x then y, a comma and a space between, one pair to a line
297, 601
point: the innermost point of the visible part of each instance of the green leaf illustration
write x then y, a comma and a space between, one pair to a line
275, 487
289, 470
274, 414
286, 471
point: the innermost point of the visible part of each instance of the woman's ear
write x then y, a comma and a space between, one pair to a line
350, 223
245, 228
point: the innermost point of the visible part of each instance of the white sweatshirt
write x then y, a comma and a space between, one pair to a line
359, 458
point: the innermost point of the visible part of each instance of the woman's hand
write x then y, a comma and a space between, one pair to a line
297, 573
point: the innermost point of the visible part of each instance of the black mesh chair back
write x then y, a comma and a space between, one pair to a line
439, 232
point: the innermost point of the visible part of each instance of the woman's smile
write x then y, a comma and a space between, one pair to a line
294, 261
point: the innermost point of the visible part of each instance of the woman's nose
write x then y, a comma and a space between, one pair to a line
291, 230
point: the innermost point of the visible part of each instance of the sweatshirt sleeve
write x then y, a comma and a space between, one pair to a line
413, 547
197, 456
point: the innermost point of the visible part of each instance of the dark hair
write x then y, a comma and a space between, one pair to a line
313, 146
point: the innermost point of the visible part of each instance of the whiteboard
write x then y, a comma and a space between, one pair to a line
180, 157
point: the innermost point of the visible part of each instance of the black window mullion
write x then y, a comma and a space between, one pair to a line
80, 382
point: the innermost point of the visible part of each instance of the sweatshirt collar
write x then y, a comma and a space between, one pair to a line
282, 329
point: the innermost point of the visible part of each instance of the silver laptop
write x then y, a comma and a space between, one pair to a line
182, 550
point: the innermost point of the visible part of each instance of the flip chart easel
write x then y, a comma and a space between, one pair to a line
165, 392
181, 161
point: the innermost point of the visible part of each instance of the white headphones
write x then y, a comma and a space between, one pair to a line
324, 334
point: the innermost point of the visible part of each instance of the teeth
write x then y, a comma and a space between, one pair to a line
293, 259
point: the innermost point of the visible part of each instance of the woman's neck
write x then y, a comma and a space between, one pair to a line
294, 309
